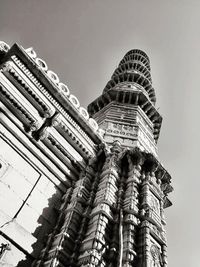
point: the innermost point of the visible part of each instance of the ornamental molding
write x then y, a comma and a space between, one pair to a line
56, 104
44, 107
65, 154
22, 110
70, 130
62, 91
158, 233
63, 88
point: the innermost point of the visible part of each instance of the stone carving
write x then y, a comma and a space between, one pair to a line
93, 124
64, 89
166, 188
27, 118
156, 256
53, 76
4, 48
31, 52
158, 232
122, 130
154, 204
146, 141
41, 63
111, 186
46, 109
74, 101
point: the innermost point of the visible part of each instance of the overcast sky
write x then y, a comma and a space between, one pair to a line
83, 42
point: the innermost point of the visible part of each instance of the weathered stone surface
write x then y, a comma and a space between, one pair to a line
77, 190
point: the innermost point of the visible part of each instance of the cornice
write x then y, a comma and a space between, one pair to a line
27, 115
28, 89
74, 135
48, 83
130, 97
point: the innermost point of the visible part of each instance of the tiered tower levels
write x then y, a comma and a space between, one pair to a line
126, 109
134, 68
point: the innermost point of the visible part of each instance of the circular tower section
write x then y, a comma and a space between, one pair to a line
133, 72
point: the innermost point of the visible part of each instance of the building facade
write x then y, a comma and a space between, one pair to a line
80, 187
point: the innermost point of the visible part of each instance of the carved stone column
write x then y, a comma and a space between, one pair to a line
63, 241
152, 244
144, 258
96, 242
131, 207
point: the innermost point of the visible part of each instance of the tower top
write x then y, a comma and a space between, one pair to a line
134, 69
137, 51
130, 88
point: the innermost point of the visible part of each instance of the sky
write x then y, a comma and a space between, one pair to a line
83, 42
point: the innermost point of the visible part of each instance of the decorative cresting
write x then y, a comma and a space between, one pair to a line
134, 68
62, 88
4, 48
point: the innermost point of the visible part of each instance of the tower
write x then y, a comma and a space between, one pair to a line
133, 184
126, 109
101, 187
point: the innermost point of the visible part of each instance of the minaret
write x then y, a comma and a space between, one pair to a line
127, 224
113, 214
126, 109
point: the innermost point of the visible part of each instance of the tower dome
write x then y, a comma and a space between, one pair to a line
134, 68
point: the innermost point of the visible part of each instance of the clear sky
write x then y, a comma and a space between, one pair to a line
83, 42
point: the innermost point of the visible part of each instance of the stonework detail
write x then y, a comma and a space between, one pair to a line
91, 184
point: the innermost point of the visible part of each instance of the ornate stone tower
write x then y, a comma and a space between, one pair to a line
128, 223
97, 190
126, 108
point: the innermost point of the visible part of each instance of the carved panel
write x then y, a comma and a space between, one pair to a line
28, 89
154, 203
19, 105
155, 255
70, 131
146, 142
121, 130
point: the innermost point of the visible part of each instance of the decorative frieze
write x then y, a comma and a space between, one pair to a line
28, 89
72, 134
55, 79
26, 113
127, 124
62, 89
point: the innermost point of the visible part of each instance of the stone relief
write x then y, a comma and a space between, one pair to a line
154, 204
156, 256
122, 130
